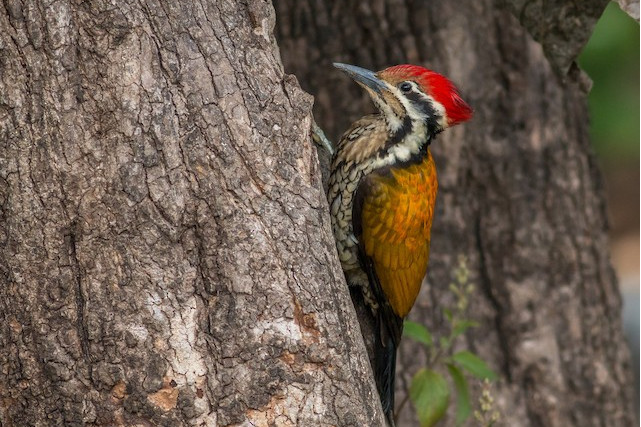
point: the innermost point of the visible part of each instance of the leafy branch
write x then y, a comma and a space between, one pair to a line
430, 391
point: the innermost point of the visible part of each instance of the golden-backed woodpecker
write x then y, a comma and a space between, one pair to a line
382, 191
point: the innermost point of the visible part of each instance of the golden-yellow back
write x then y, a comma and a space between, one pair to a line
396, 220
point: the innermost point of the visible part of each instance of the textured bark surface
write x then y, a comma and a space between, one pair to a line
165, 252
520, 194
562, 27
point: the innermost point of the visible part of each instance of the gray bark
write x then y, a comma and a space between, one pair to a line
165, 250
520, 193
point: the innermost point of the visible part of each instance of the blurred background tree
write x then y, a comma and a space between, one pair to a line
611, 59
520, 194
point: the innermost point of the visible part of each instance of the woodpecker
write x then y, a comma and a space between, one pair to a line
382, 190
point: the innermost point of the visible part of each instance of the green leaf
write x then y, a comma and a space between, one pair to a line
463, 405
444, 342
474, 365
448, 314
462, 326
430, 394
417, 332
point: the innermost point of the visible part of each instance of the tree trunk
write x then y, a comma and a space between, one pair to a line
520, 195
166, 255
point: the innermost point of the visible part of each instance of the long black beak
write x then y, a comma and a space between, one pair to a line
363, 76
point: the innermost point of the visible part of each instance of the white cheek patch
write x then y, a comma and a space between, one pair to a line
414, 113
419, 113
440, 110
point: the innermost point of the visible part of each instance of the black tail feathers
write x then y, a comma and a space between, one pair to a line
385, 371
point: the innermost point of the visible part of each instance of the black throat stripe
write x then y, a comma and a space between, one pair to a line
428, 110
400, 133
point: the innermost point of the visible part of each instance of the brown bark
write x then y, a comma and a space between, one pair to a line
520, 193
165, 252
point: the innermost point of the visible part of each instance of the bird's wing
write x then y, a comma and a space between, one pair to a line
392, 217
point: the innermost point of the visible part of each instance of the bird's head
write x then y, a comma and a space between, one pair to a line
410, 95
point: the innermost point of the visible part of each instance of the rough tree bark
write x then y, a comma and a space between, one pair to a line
520, 194
165, 253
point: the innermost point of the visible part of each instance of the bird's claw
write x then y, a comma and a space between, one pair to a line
321, 139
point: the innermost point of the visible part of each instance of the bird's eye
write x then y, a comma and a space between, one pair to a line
405, 86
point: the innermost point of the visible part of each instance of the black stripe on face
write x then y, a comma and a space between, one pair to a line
427, 109
399, 134
414, 159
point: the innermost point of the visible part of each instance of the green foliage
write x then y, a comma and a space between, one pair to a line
417, 332
463, 404
431, 396
611, 59
474, 365
429, 390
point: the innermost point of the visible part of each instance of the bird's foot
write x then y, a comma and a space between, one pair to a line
320, 139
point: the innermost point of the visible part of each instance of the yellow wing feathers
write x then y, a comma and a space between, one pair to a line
396, 218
